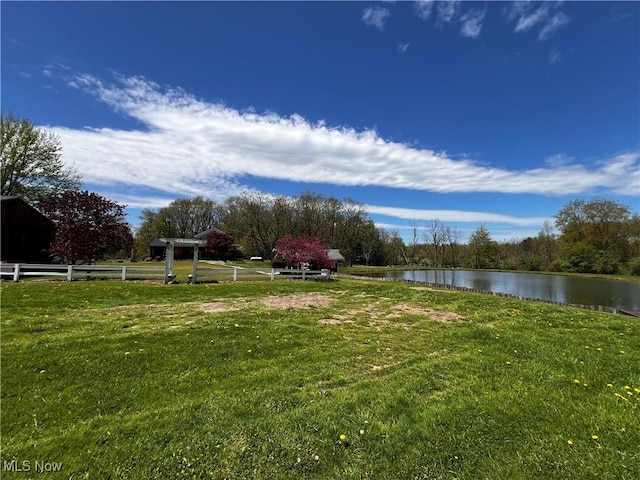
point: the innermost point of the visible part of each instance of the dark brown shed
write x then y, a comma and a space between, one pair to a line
26, 233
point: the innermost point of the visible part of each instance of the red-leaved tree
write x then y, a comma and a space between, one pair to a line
222, 245
88, 226
296, 251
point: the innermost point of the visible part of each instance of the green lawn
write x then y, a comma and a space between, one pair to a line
278, 380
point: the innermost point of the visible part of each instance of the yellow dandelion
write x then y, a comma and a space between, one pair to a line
595, 437
621, 396
249, 351
127, 353
42, 371
599, 349
236, 325
576, 381
637, 390
343, 437
629, 393
585, 385
610, 385
570, 442
627, 387
621, 351
508, 363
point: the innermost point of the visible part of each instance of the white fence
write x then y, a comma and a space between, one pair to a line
241, 273
17, 271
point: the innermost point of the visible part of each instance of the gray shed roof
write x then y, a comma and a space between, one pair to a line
335, 255
206, 233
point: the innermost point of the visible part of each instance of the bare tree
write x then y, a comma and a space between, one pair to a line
452, 237
435, 234
413, 246
549, 243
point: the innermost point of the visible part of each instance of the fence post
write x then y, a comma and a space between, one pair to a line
70, 273
124, 273
273, 273
303, 274
16, 272
235, 274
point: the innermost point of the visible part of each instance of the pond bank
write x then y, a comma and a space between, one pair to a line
449, 286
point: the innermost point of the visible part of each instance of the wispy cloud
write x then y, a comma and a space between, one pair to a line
423, 8
456, 216
471, 22
375, 17
558, 160
526, 15
191, 147
554, 24
555, 56
449, 13
402, 47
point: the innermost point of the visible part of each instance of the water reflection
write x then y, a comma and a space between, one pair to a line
556, 288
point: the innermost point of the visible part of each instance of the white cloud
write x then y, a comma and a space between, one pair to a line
558, 160
448, 11
456, 216
530, 14
554, 24
191, 147
472, 22
402, 47
529, 19
375, 17
423, 8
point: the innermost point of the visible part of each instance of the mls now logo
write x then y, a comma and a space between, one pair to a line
25, 466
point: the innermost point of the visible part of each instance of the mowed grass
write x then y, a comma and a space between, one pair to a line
286, 379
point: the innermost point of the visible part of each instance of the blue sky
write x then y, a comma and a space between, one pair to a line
468, 112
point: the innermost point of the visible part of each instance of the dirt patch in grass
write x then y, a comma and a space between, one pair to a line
435, 315
382, 315
218, 307
299, 300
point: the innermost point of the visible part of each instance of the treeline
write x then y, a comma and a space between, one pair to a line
596, 236
257, 221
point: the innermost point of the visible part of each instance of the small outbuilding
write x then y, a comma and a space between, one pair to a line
26, 233
335, 257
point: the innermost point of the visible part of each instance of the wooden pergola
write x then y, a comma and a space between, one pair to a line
184, 242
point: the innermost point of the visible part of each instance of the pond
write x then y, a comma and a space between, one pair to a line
556, 288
